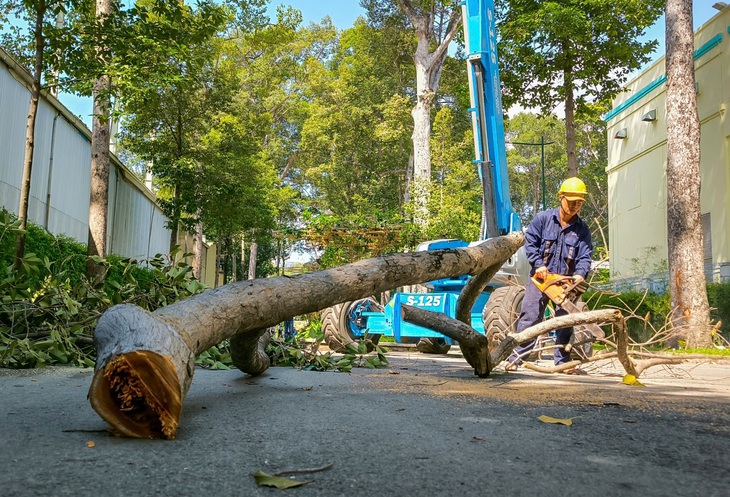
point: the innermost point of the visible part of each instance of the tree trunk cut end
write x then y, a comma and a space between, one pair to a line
143, 371
139, 394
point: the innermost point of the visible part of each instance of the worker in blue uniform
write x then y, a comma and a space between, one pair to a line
557, 241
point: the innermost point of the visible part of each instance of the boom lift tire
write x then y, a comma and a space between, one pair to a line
337, 322
501, 313
433, 346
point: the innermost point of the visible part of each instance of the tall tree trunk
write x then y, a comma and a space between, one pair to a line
421, 137
175, 221
428, 75
687, 284
218, 260
198, 250
252, 259
227, 248
234, 266
243, 256
100, 138
35, 94
570, 142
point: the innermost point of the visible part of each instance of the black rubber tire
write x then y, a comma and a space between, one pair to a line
501, 313
433, 346
336, 329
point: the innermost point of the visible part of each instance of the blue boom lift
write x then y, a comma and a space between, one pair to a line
496, 308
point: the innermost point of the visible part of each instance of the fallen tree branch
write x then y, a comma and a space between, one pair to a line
568, 365
474, 345
145, 361
471, 291
645, 364
599, 316
622, 348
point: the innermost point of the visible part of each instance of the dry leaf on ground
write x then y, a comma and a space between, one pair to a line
266, 480
556, 421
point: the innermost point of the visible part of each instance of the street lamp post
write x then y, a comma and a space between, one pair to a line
542, 162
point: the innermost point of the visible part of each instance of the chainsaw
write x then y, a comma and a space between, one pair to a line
565, 291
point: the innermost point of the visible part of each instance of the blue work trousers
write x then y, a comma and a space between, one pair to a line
533, 312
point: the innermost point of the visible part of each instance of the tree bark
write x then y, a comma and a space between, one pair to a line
687, 284
471, 291
198, 250
243, 256
252, 260
100, 138
175, 221
218, 260
146, 360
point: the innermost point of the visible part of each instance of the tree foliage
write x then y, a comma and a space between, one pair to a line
434, 25
571, 52
209, 129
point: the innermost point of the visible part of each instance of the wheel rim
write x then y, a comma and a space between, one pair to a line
356, 322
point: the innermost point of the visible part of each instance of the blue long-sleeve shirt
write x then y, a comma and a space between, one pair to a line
563, 250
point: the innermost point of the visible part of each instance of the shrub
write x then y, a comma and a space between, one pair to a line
655, 308
49, 309
651, 310
718, 295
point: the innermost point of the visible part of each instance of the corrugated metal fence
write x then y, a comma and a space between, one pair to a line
60, 181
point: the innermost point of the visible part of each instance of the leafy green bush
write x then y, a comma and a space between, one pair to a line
49, 309
718, 295
653, 309
42, 245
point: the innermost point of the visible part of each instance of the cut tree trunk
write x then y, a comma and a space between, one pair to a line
146, 360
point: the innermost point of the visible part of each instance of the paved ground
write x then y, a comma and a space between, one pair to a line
425, 426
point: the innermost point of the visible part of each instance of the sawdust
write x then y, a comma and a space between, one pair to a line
133, 398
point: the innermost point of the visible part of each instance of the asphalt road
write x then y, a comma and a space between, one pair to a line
425, 427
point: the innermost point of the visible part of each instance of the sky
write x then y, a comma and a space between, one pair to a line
344, 13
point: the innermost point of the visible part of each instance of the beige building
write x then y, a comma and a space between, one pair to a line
637, 160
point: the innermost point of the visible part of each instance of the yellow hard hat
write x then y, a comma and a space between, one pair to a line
573, 189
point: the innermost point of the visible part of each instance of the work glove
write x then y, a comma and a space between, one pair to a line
541, 273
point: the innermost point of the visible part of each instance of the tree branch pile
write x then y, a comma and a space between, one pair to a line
475, 347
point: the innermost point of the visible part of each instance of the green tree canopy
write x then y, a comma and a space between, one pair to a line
571, 52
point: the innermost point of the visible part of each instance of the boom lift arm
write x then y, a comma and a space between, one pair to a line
480, 40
